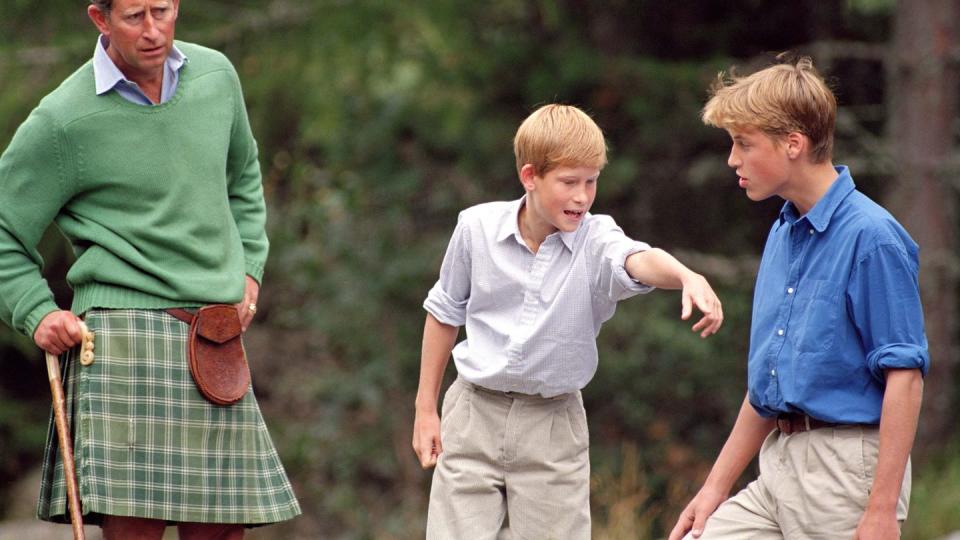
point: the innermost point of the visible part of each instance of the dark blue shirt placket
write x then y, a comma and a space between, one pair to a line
800, 233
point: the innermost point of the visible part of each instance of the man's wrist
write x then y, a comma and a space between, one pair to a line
34, 318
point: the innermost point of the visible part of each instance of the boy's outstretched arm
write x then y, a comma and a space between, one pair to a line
898, 427
744, 443
438, 341
659, 269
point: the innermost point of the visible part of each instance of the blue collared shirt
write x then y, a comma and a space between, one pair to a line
837, 302
108, 76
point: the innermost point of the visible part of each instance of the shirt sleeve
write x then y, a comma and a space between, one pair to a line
610, 248
884, 298
447, 300
245, 188
31, 180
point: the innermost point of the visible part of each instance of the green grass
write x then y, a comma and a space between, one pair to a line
935, 500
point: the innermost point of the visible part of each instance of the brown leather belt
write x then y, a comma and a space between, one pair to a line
181, 314
798, 423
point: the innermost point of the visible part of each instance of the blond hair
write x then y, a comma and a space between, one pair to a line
781, 99
559, 135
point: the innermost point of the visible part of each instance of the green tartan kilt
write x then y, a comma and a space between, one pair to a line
147, 444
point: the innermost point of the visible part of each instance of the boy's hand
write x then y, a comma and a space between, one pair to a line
694, 516
426, 438
877, 525
58, 332
698, 293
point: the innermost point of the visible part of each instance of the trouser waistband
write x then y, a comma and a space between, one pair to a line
512, 395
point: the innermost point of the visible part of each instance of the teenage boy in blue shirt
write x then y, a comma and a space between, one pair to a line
532, 280
837, 344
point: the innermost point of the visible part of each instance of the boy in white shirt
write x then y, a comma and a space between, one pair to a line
533, 280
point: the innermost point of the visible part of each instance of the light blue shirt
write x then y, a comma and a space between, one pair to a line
108, 76
532, 319
837, 302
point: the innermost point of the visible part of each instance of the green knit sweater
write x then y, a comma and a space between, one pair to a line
163, 205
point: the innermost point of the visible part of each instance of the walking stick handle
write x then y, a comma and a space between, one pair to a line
63, 436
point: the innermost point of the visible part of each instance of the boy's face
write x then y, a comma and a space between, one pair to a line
560, 199
761, 162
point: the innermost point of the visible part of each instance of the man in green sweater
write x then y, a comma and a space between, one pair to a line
145, 160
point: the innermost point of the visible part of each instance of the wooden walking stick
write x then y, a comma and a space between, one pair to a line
63, 430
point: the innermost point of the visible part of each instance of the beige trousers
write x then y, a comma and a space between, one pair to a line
510, 458
812, 485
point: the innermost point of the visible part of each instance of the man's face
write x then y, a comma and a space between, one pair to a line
761, 163
140, 34
562, 197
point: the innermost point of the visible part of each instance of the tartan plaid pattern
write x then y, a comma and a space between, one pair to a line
147, 444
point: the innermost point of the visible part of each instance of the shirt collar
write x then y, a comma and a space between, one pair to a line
819, 216
107, 75
511, 227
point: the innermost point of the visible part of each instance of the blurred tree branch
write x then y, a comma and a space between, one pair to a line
924, 88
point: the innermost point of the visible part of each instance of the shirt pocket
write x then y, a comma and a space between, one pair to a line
816, 316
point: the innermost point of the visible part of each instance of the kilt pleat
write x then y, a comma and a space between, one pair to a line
147, 444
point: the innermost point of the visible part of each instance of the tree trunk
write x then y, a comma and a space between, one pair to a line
923, 93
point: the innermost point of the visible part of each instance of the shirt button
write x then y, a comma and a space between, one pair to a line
811, 231
780, 332
789, 290
773, 373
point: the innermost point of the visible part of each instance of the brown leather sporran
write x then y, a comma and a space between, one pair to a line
217, 360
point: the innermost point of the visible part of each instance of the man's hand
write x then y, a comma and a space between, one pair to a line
58, 332
697, 293
694, 516
878, 526
426, 438
247, 307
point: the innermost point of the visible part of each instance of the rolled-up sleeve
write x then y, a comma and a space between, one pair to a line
447, 300
612, 247
898, 356
884, 299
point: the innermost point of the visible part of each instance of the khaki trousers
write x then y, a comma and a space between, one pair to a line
812, 485
510, 458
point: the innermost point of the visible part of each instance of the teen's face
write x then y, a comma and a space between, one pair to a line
140, 33
562, 197
761, 163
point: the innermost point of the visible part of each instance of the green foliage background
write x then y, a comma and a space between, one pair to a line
378, 122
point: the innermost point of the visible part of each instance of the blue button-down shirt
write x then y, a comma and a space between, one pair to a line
107, 76
837, 302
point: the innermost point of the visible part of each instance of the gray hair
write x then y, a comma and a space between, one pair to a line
103, 5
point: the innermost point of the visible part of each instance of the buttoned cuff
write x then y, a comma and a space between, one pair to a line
444, 308
898, 356
620, 274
